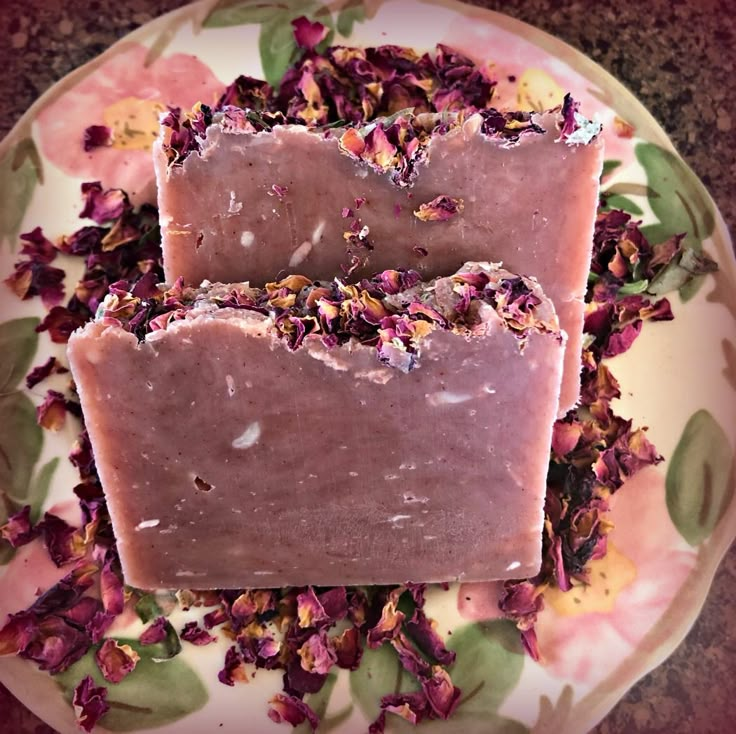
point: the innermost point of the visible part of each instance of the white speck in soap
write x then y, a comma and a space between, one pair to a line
410, 499
149, 384
390, 477
263, 573
234, 206
247, 238
190, 573
445, 397
430, 537
513, 565
397, 521
410, 467
248, 384
353, 473
490, 390
147, 524
230, 385
318, 231
300, 254
248, 437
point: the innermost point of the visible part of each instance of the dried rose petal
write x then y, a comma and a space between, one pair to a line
18, 530
90, 703
60, 322
116, 661
96, 136
317, 654
103, 206
194, 634
51, 414
234, 668
442, 695
292, 711
308, 35
424, 633
156, 632
440, 209
63, 542
348, 649
51, 366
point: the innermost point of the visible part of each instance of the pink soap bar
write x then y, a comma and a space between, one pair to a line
250, 204
325, 434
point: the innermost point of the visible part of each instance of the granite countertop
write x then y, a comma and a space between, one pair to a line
677, 56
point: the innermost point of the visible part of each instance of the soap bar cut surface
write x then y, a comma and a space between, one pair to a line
246, 200
321, 433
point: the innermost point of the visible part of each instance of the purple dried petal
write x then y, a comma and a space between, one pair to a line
442, 695
194, 634
60, 322
425, 634
18, 530
299, 681
156, 632
96, 136
234, 669
103, 206
90, 703
410, 658
63, 542
56, 645
116, 661
51, 366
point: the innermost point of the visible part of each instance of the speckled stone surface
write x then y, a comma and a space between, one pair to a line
678, 57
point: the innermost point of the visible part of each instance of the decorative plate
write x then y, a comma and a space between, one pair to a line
673, 523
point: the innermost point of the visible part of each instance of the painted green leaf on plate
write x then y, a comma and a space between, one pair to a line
699, 479
681, 203
353, 12
154, 694
617, 201
18, 344
489, 663
20, 445
239, 12
20, 170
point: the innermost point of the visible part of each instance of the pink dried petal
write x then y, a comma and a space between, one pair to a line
291, 710
308, 35
116, 661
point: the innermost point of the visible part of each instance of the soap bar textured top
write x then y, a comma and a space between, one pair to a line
323, 433
243, 199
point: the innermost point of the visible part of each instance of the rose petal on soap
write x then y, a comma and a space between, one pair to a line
90, 703
116, 661
440, 209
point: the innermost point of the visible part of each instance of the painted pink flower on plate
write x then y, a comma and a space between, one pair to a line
530, 78
127, 96
585, 633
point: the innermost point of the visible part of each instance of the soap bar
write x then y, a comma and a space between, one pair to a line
322, 433
245, 201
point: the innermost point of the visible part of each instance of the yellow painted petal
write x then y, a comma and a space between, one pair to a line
134, 122
608, 577
538, 91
